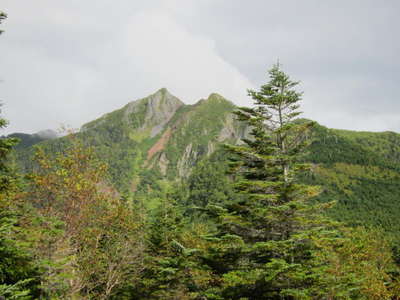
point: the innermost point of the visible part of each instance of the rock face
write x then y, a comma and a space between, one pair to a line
185, 162
158, 110
161, 107
149, 114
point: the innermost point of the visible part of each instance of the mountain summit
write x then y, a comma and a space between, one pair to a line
161, 135
147, 114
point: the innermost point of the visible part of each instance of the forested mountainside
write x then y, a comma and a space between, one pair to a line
160, 137
361, 171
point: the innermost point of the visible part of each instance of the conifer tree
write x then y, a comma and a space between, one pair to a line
172, 270
18, 275
268, 242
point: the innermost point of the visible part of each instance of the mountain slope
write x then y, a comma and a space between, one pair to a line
160, 137
361, 172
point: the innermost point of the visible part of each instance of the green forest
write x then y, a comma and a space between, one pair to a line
163, 200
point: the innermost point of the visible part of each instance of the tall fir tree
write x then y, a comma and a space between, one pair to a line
268, 243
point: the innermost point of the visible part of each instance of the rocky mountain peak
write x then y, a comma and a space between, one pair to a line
216, 96
157, 110
162, 100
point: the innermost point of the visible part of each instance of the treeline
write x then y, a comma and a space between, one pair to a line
243, 226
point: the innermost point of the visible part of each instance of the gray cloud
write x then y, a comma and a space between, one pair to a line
71, 61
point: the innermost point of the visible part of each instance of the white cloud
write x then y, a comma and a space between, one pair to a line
78, 76
169, 56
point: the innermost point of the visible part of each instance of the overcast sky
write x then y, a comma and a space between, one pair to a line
70, 61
